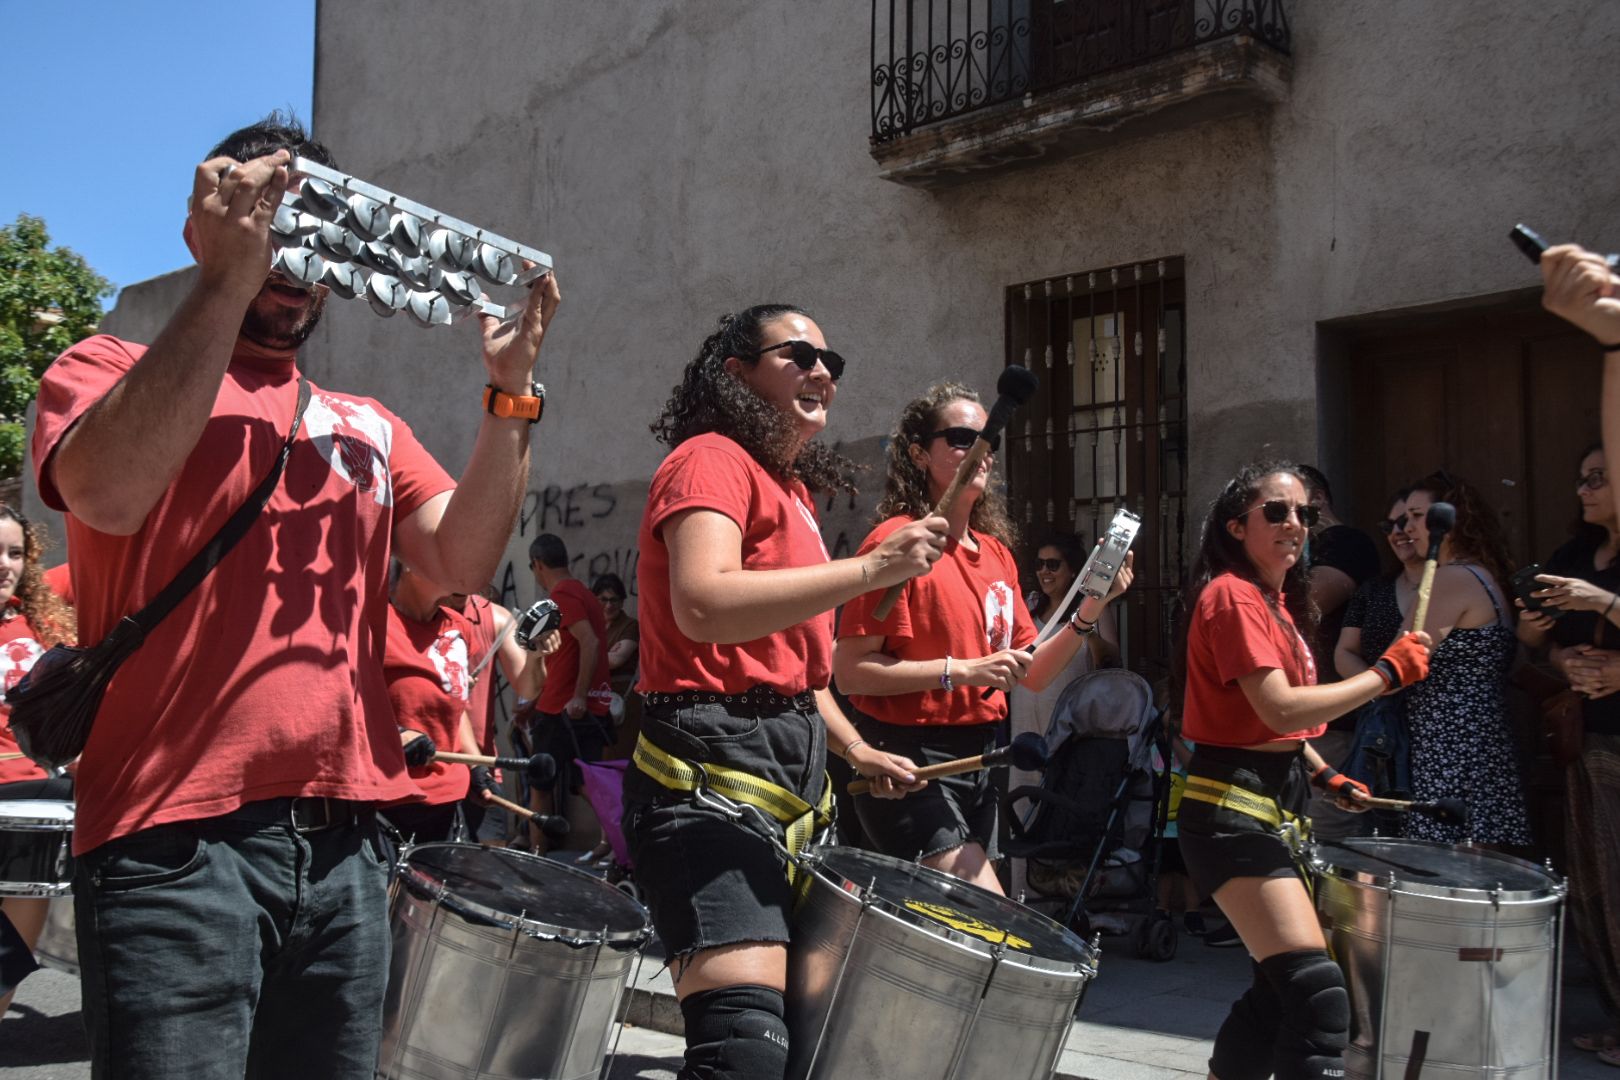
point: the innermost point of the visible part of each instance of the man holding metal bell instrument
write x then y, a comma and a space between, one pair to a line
230, 890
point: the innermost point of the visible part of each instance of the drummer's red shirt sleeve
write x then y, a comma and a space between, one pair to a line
1246, 641
77, 380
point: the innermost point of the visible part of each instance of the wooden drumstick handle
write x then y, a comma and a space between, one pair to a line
464, 759
11, 756
1425, 587
964, 472
927, 772
516, 808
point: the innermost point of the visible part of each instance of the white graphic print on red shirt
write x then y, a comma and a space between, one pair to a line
449, 655
355, 439
16, 657
998, 615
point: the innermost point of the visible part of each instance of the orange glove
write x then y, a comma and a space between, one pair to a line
1405, 662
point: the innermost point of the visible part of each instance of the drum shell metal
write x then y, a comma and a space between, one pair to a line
906, 1001
36, 848
471, 999
1475, 969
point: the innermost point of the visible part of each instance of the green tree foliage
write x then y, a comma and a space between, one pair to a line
49, 299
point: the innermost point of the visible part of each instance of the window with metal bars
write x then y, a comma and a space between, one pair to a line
1108, 429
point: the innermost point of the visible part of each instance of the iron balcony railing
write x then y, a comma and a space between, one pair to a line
933, 60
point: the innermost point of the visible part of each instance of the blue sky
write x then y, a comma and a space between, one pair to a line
125, 99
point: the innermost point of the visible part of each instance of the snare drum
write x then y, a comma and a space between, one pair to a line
899, 970
1451, 955
504, 965
36, 847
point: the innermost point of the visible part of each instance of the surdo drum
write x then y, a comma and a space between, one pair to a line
1451, 955
504, 965
899, 970
36, 847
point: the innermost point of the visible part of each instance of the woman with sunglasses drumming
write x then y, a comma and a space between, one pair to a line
917, 679
1251, 705
1462, 741
736, 599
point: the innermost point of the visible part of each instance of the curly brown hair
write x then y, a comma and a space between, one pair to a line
905, 488
1477, 536
710, 399
50, 616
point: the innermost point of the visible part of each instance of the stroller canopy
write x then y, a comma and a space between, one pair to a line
1111, 703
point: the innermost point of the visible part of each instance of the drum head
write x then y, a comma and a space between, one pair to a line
50, 815
1432, 867
950, 907
510, 888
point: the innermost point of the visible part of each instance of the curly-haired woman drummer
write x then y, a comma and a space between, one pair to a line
1251, 705
736, 593
917, 678
32, 619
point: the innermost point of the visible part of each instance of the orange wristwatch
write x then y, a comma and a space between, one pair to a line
500, 403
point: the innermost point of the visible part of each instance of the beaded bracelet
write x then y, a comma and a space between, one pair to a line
945, 679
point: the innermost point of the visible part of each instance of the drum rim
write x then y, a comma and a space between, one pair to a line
36, 889
441, 893
853, 891
1553, 889
27, 823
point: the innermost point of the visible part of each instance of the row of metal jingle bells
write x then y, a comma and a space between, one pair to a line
454, 296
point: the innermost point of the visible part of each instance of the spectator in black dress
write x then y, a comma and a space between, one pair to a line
1341, 559
1583, 579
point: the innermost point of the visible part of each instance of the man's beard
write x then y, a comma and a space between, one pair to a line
272, 325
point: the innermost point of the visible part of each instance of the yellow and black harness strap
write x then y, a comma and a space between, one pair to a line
799, 819
1240, 800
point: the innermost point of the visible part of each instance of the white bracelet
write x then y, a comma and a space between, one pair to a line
851, 746
945, 679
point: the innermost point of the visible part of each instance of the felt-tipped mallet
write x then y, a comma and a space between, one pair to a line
1442, 516
1027, 751
552, 826
540, 770
1448, 811
1016, 386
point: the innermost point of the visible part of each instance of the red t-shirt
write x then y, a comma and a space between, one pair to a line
780, 529
267, 680
967, 606
60, 579
18, 651
480, 618
428, 669
1233, 633
575, 603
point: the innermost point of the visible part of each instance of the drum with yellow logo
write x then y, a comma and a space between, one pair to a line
899, 970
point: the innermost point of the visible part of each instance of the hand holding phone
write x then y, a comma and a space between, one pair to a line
1525, 586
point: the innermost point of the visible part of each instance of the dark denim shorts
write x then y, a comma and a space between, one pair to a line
1219, 844
948, 812
708, 880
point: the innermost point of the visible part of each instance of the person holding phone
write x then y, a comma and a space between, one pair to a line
1582, 582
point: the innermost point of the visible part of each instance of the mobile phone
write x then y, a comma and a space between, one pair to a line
1524, 583
1528, 241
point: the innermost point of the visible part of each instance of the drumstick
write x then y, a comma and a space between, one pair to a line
541, 769
1026, 751
1440, 519
1445, 811
1016, 386
553, 826
11, 756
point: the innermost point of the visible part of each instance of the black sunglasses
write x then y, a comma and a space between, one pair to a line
1051, 566
960, 438
805, 356
1394, 524
1276, 512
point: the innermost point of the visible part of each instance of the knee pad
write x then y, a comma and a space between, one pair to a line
735, 1033
1246, 1043
1315, 1007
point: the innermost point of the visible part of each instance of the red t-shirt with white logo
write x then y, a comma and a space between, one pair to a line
480, 616
267, 680
576, 603
18, 651
1233, 633
780, 529
967, 606
429, 673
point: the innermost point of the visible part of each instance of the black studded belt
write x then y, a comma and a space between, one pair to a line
758, 699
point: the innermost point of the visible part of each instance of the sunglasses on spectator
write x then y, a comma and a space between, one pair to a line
960, 438
805, 355
1595, 480
1051, 566
1394, 524
1276, 512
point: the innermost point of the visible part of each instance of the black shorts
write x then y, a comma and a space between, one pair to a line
708, 880
947, 813
1218, 844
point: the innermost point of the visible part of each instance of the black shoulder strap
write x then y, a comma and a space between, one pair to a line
236, 527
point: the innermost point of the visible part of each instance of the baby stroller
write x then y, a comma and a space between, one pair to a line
1091, 830
604, 790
